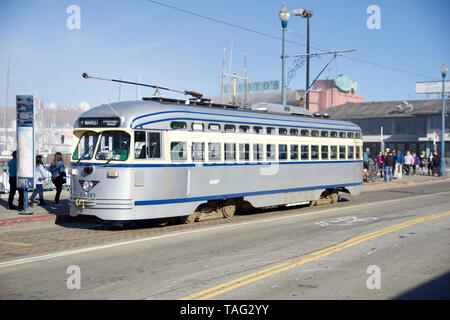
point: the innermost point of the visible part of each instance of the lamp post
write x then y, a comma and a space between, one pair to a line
284, 17
442, 169
306, 14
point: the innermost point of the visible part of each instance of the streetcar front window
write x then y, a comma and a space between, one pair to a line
86, 146
114, 145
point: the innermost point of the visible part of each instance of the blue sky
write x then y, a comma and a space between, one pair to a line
170, 48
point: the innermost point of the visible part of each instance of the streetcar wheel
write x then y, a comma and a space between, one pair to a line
190, 218
228, 209
313, 203
334, 197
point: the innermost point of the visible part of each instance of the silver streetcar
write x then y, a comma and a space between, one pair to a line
165, 158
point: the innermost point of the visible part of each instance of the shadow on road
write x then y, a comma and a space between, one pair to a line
436, 289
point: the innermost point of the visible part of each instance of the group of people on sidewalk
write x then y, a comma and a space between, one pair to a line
57, 170
393, 164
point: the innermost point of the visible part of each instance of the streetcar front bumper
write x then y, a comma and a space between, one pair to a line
117, 209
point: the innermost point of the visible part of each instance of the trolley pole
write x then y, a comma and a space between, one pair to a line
442, 169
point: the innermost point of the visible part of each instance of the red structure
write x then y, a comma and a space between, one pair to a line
326, 93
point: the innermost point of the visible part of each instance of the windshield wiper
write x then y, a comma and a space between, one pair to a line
118, 153
84, 154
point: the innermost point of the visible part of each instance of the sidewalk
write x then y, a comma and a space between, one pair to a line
50, 212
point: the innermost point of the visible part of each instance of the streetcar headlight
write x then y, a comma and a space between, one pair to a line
87, 185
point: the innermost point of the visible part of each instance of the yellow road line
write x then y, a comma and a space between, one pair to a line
236, 283
16, 243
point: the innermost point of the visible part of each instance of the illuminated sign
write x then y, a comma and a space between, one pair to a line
99, 122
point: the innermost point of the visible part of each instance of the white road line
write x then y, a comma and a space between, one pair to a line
113, 245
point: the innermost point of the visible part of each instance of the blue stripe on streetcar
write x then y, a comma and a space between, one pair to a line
237, 195
203, 164
139, 126
240, 116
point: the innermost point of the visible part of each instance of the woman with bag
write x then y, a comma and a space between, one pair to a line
58, 174
39, 173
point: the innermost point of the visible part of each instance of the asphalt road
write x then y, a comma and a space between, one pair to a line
385, 244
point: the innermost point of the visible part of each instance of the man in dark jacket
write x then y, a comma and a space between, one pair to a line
12, 165
388, 162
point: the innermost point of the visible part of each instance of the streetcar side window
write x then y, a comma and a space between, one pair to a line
270, 130
282, 151
282, 131
304, 152
342, 153
244, 128
230, 128
214, 127
178, 125
350, 152
198, 151
258, 152
324, 152
214, 151
333, 152
293, 132
304, 133
244, 151
315, 133
314, 152
197, 126
333, 134
358, 135
294, 152
350, 134
257, 130
178, 151
342, 134
358, 152
324, 133
154, 145
270, 152
140, 147
230, 152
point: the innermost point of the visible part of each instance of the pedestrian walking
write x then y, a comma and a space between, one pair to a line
408, 162
39, 174
436, 163
416, 163
399, 161
380, 159
388, 162
423, 162
58, 172
12, 165
430, 165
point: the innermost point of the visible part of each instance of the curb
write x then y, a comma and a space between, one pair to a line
67, 217
50, 217
384, 183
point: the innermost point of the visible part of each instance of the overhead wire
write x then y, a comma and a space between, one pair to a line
279, 38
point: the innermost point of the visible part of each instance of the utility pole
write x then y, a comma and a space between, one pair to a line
246, 80
5, 114
223, 74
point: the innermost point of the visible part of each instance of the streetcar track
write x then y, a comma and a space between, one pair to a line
156, 230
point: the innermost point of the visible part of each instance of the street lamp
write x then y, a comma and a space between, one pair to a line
306, 14
284, 17
442, 169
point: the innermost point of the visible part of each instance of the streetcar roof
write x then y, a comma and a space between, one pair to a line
145, 114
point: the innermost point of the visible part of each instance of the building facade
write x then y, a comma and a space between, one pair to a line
413, 125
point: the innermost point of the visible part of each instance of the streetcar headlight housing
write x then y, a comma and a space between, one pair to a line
87, 185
